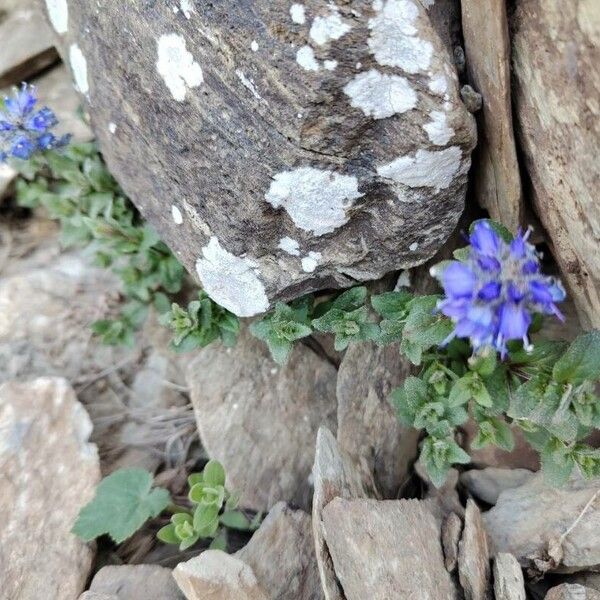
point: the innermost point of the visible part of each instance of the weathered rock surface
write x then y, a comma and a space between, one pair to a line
497, 183
136, 582
282, 555
487, 484
538, 522
95, 596
568, 591
48, 471
368, 429
260, 420
386, 549
215, 574
474, 556
556, 51
334, 476
333, 144
444, 500
27, 43
508, 578
451, 530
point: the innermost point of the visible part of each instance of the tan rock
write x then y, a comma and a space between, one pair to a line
368, 428
215, 574
282, 555
96, 596
556, 52
537, 522
386, 549
334, 476
49, 471
27, 43
496, 170
451, 530
569, 591
260, 420
136, 582
508, 578
474, 556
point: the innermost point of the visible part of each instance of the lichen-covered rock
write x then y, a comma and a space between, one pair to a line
49, 471
260, 419
277, 147
556, 52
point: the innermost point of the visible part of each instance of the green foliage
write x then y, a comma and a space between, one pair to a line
213, 506
75, 187
283, 326
347, 318
203, 322
124, 501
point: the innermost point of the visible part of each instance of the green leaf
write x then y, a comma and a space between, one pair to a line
581, 361
438, 456
124, 501
213, 474
167, 534
557, 462
220, 541
392, 305
206, 520
235, 519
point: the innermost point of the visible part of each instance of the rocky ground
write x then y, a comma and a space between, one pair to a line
314, 445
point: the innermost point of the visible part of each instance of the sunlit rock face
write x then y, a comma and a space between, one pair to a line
278, 147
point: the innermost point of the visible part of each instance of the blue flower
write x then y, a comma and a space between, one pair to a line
24, 131
493, 294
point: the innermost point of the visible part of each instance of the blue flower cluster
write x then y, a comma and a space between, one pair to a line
492, 295
24, 130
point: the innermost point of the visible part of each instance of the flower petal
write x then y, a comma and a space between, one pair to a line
484, 239
458, 280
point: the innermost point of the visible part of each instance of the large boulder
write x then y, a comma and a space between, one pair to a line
278, 148
556, 52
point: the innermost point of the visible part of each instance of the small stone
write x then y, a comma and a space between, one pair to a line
459, 59
537, 521
487, 484
451, 530
136, 582
215, 574
569, 591
49, 472
260, 420
334, 476
282, 555
508, 578
386, 549
474, 556
472, 99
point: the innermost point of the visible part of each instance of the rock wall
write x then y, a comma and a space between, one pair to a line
556, 52
278, 147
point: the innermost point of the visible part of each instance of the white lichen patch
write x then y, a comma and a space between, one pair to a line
394, 39
248, 84
177, 66
231, 281
79, 68
379, 95
289, 245
330, 65
298, 14
438, 85
438, 130
176, 214
112, 127
413, 246
427, 3
305, 57
435, 169
315, 199
254, 46
311, 262
58, 11
187, 8
331, 27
